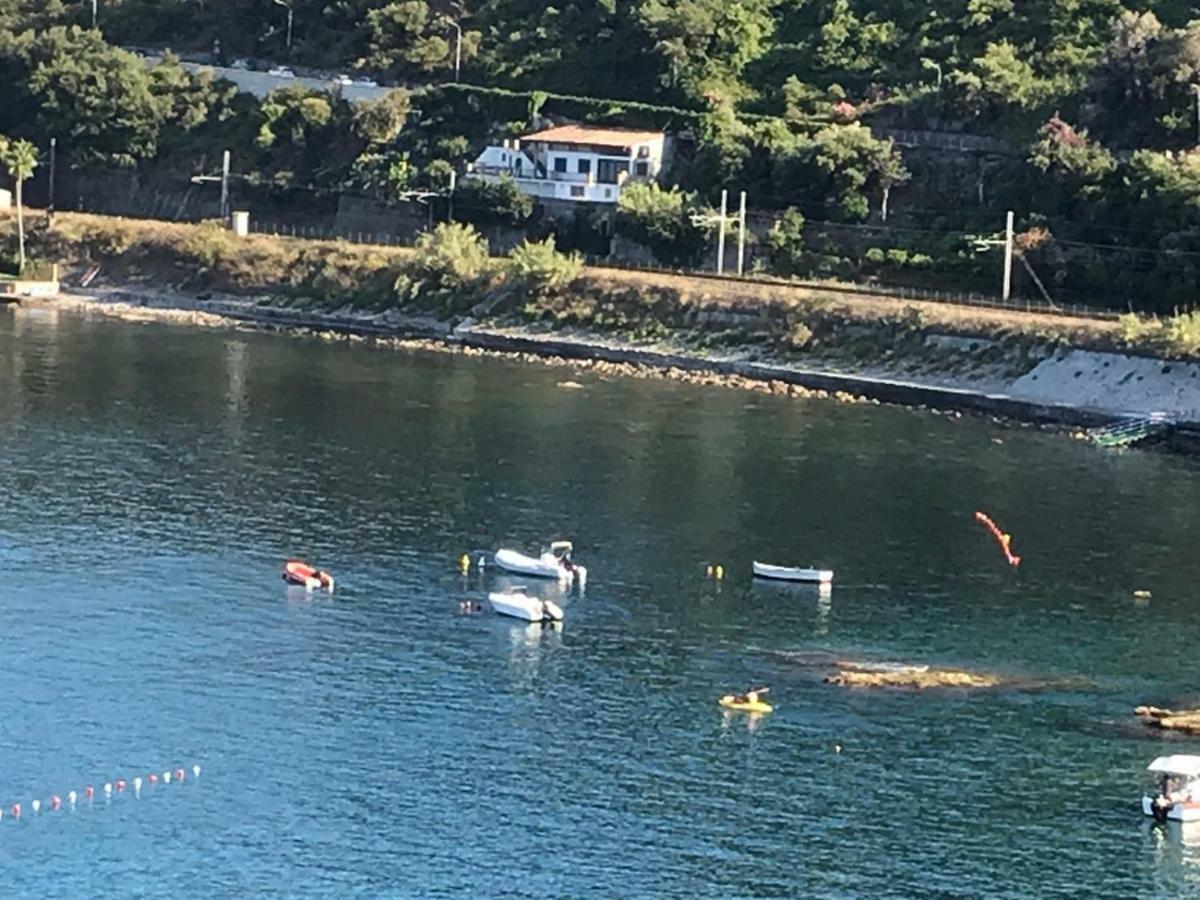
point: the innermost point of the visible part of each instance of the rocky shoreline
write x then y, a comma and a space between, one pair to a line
600, 354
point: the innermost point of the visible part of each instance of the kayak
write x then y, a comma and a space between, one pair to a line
729, 701
300, 573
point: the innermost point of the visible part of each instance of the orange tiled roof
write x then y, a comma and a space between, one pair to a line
592, 134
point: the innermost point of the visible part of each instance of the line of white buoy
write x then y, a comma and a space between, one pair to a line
109, 788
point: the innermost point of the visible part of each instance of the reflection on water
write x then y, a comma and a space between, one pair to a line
752, 722
824, 605
1176, 847
152, 481
530, 646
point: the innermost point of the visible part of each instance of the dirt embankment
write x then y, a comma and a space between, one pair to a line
917, 353
333, 274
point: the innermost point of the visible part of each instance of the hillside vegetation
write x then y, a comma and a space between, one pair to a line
1082, 116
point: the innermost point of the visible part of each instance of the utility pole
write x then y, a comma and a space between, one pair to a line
1007, 243
1196, 89
1008, 255
50, 198
457, 45
93, 15
288, 7
225, 186
721, 234
450, 196
741, 265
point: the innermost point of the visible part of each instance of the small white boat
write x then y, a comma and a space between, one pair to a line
1178, 795
554, 563
789, 573
516, 603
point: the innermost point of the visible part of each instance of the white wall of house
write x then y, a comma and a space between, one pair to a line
496, 160
581, 173
649, 155
559, 190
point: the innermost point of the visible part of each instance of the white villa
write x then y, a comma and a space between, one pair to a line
580, 163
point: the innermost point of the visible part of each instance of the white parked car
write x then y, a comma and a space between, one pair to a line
243, 64
342, 79
363, 81
282, 72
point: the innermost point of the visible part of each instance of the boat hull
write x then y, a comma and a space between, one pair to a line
787, 573
301, 574
546, 566
1179, 812
757, 707
522, 606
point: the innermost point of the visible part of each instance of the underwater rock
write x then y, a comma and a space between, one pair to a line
1185, 720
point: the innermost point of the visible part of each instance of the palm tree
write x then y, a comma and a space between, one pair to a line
20, 158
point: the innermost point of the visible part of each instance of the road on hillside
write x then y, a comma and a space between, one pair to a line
262, 83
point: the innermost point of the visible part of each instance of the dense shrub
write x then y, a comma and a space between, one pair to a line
660, 220
449, 271
539, 268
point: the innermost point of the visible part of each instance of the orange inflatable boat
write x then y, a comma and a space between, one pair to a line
298, 572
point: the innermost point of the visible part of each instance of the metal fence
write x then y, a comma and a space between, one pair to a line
913, 294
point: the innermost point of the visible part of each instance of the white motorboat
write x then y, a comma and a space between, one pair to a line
1178, 794
789, 573
554, 563
516, 603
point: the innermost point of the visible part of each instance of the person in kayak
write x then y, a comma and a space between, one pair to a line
750, 696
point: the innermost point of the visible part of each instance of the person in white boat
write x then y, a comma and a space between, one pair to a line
1174, 790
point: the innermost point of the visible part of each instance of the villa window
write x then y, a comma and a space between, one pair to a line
642, 168
576, 190
585, 166
560, 164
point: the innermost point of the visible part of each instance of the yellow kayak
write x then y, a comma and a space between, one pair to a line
729, 701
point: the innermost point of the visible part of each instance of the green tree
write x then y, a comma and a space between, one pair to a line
450, 268
389, 175
1164, 189
852, 160
20, 159
492, 202
660, 220
539, 268
708, 43
786, 242
999, 79
96, 99
380, 121
408, 34
1076, 168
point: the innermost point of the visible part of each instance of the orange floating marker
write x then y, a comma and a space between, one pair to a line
1004, 540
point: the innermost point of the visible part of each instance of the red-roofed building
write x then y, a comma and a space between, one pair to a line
581, 163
